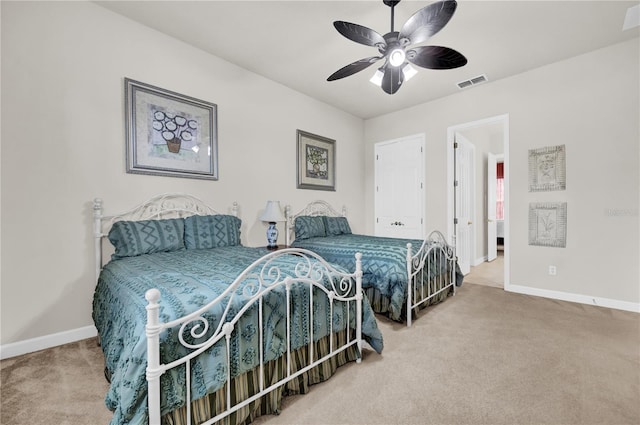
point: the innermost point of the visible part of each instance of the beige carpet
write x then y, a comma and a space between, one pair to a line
489, 273
484, 356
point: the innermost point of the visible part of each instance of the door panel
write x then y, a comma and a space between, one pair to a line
464, 157
399, 181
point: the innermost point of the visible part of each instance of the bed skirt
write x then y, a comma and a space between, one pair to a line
248, 383
380, 303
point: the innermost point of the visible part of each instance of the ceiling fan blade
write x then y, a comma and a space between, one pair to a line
354, 67
392, 79
359, 34
428, 21
436, 57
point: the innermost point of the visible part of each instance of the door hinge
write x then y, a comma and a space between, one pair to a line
377, 189
377, 220
421, 222
420, 185
455, 145
455, 183
455, 221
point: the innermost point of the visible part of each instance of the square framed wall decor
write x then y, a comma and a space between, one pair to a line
548, 224
547, 169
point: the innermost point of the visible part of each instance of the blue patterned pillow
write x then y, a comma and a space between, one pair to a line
211, 231
337, 226
309, 227
132, 238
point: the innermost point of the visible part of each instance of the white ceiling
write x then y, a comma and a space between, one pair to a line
295, 43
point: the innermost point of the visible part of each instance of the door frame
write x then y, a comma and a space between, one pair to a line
451, 131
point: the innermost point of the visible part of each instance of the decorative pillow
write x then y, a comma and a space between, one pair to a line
337, 226
309, 227
132, 238
211, 231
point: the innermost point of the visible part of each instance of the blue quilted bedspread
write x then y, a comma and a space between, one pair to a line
188, 280
384, 262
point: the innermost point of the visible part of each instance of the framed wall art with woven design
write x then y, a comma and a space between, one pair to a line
547, 169
548, 224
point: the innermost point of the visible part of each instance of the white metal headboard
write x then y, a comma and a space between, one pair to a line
171, 205
313, 208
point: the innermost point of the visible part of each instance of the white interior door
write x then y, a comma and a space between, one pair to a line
492, 225
464, 157
399, 184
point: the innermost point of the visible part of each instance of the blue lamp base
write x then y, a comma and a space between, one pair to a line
272, 236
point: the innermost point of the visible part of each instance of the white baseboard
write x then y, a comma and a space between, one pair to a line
479, 261
576, 298
36, 344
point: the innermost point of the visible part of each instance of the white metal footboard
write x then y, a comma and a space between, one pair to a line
424, 278
263, 276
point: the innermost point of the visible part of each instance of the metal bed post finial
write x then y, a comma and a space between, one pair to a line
97, 235
409, 283
359, 297
153, 354
288, 225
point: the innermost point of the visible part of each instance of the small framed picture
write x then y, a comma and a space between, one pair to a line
547, 169
548, 224
170, 134
316, 162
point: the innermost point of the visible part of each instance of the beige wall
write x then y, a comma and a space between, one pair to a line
63, 144
590, 103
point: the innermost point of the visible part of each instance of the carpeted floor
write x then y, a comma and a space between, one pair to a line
484, 356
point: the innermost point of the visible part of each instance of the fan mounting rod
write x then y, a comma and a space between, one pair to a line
391, 4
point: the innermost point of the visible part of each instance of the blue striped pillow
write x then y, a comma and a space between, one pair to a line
133, 238
337, 226
309, 227
211, 231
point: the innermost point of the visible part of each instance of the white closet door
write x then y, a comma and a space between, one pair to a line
399, 185
464, 157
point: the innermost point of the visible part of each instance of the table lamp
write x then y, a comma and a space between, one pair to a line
272, 214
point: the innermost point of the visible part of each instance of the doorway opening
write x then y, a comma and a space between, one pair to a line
479, 236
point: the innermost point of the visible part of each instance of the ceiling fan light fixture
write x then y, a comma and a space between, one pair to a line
377, 78
398, 48
397, 57
409, 71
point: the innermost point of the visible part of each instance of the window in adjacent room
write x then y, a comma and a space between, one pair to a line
500, 191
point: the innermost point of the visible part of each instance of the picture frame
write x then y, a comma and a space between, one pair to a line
547, 169
169, 134
548, 224
316, 162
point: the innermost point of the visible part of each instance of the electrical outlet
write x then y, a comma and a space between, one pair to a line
552, 270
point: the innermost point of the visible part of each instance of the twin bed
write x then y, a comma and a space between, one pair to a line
400, 276
197, 328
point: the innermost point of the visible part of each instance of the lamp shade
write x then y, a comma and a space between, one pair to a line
272, 212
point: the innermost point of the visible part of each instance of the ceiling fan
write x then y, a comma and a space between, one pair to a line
394, 46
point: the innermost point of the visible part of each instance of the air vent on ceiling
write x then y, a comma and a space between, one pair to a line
472, 81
